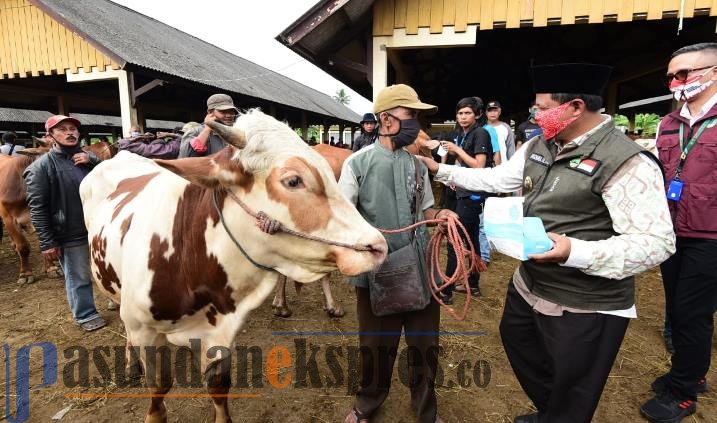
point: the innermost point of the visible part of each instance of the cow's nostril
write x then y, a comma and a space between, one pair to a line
376, 249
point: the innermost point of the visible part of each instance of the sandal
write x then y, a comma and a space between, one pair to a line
355, 417
94, 324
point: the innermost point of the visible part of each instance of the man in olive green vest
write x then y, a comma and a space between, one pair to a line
601, 199
380, 180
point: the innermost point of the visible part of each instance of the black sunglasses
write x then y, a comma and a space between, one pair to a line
682, 74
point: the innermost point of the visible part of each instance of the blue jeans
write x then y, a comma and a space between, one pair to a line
483, 241
75, 263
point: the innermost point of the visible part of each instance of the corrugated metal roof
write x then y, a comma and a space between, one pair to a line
23, 115
146, 42
40, 116
116, 121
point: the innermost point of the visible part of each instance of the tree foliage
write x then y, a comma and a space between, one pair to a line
645, 123
342, 97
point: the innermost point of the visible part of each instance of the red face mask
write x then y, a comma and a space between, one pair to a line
550, 121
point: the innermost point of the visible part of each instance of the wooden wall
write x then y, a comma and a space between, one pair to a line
435, 14
33, 44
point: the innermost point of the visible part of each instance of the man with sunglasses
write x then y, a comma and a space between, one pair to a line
600, 197
687, 146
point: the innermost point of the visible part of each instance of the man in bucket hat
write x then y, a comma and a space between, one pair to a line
391, 205
53, 196
368, 132
202, 141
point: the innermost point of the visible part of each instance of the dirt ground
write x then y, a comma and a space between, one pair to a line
39, 313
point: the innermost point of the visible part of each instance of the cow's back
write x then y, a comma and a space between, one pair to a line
334, 155
126, 200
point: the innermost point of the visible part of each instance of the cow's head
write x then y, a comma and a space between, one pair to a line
272, 170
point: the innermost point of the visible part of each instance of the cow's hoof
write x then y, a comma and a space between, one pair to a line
159, 416
55, 273
282, 311
26, 279
335, 311
112, 306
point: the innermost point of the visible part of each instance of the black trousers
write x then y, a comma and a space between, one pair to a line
449, 198
378, 344
690, 280
561, 362
468, 212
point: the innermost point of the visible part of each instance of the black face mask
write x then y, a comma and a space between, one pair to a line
407, 133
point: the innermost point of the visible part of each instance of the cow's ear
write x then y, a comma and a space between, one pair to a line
198, 170
210, 171
45, 141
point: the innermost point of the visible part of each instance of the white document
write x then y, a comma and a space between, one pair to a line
509, 232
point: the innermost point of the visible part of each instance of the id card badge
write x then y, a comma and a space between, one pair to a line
674, 191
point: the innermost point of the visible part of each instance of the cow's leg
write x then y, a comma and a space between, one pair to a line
156, 359
218, 379
132, 366
21, 246
279, 303
330, 306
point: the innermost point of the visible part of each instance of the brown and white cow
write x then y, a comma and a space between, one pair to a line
158, 247
336, 157
14, 212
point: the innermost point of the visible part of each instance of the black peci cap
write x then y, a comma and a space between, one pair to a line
573, 78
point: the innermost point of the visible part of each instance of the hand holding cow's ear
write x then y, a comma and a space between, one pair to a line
210, 118
229, 134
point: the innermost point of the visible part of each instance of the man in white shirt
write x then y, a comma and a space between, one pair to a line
506, 138
9, 146
601, 199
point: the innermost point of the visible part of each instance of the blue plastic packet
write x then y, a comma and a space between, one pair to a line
535, 239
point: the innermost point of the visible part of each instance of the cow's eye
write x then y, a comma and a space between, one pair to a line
293, 182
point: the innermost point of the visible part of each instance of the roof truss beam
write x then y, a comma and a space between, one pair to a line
145, 88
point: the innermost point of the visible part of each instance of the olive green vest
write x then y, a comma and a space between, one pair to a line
387, 189
566, 193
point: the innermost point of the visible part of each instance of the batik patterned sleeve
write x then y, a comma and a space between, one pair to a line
635, 198
507, 177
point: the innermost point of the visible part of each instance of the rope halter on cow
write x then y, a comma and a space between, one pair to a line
452, 233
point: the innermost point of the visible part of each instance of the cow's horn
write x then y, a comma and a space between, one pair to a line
231, 135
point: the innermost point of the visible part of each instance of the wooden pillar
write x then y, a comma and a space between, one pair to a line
380, 67
61, 106
325, 134
342, 127
127, 112
33, 133
611, 104
141, 121
631, 120
304, 127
